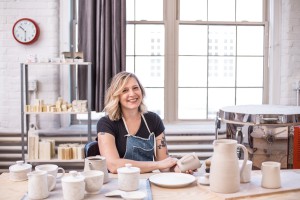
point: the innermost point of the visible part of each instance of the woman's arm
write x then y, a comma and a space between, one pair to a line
162, 153
108, 149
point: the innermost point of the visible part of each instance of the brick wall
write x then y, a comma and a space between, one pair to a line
46, 14
290, 51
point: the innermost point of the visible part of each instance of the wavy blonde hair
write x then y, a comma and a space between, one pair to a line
112, 101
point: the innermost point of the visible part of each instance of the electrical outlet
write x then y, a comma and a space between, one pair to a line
32, 85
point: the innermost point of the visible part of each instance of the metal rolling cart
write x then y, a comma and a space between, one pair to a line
266, 130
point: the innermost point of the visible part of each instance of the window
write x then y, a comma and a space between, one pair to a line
196, 56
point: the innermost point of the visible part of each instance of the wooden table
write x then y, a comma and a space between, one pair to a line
10, 190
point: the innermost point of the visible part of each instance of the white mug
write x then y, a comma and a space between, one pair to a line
189, 162
93, 181
40, 184
51, 169
246, 174
270, 175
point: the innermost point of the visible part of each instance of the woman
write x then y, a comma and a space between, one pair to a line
130, 134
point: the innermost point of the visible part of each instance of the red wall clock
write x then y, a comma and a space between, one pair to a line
26, 31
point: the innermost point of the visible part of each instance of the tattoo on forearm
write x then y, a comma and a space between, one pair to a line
163, 143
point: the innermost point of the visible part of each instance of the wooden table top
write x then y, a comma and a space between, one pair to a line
16, 190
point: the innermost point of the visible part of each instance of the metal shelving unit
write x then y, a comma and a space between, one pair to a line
25, 101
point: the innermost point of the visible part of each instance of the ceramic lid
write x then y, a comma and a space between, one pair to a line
20, 166
128, 169
73, 178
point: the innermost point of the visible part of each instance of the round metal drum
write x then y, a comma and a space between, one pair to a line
277, 115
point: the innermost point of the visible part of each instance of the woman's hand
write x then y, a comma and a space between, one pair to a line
166, 164
177, 169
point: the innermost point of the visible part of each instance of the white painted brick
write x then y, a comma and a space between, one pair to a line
12, 53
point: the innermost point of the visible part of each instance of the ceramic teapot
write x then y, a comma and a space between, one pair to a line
225, 172
39, 184
97, 163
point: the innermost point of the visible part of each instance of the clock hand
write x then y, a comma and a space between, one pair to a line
22, 28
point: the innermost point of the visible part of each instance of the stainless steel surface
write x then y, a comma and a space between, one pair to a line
277, 115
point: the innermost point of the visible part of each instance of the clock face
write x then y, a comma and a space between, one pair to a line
25, 31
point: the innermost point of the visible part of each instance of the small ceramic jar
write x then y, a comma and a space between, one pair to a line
128, 178
19, 171
73, 186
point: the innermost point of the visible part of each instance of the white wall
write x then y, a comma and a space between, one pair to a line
46, 14
290, 51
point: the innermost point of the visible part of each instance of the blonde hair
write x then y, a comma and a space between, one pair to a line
112, 101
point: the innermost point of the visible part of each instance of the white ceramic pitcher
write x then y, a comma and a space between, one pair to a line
97, 163
225, 173
39, 184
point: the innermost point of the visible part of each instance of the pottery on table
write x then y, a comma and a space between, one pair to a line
189, 162
40, 184
128, 178
19, 171
51, 169
225, 173
270, 175
93, 181
246, 173
97, 163
73, 186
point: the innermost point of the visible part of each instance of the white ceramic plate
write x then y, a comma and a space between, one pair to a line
172, 180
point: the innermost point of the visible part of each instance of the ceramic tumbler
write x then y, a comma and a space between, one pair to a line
246, 174
270, 175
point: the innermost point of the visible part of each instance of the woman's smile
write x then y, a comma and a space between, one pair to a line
131, 96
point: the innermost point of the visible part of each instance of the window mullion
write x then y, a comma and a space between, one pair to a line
171, 61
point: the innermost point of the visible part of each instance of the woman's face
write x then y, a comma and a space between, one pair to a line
131, 96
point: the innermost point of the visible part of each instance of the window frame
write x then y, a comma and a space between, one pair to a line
172, 22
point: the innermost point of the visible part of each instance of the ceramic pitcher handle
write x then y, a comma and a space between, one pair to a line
245, 157
51, 182
62, 172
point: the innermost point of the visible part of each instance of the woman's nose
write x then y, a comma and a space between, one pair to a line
131, 92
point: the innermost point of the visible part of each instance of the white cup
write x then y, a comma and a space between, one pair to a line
93, 181
189, 162
51, 169
246, 174
270, 175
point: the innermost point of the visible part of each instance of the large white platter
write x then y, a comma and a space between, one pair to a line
172, 180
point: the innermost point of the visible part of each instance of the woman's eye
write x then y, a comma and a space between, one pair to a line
136, 88
125, 90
